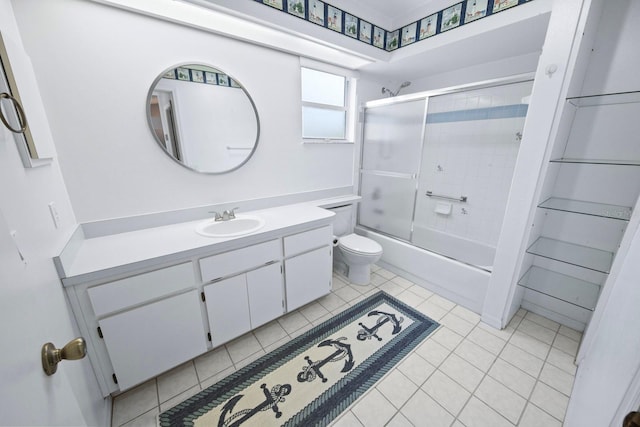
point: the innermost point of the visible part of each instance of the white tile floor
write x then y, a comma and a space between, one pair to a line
465, 374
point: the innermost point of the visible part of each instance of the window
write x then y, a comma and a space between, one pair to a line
325, 106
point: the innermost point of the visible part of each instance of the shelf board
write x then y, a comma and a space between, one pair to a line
617, 162
570, 253
587, 208
605, 99
560, 286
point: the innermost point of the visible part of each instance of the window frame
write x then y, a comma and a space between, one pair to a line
350, 79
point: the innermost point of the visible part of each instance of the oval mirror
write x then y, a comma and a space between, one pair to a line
202, 118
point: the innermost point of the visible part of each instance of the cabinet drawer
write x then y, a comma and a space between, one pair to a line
303, 242
232, 262
121, 294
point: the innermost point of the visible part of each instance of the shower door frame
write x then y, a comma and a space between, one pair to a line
426, 95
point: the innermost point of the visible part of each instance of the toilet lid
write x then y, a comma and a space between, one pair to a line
355, 243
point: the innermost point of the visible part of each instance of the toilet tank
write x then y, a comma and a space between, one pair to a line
342, 224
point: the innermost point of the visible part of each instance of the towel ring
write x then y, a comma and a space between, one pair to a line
21, 116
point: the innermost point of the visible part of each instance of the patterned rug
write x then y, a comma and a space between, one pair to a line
313, 378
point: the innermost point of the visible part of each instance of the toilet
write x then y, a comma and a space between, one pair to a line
354, 254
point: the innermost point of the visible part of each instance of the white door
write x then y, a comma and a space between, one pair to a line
264, 287
607, 384
33, 311
33, 308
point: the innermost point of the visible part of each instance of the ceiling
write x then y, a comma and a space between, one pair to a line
394, 8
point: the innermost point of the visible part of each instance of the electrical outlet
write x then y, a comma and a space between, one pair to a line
54, 214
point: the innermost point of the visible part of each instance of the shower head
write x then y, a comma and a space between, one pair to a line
394, 93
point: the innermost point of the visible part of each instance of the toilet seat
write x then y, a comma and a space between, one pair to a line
359, 245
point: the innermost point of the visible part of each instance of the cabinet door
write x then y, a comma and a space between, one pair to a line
228, 307
307, 277
264, 287
154, 338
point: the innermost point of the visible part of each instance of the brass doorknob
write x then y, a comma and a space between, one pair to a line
51, 356
631, 420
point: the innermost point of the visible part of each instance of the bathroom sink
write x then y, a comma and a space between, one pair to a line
240, 225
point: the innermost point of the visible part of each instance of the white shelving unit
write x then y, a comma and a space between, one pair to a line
585, 207
560, 286
570, 253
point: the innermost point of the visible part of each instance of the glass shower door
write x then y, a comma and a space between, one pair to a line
393, 137
471, 144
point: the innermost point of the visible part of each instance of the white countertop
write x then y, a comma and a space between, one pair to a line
104, 256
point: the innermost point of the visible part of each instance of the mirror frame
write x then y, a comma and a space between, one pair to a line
150, 124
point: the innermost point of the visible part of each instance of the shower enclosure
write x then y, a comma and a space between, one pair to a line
437, 167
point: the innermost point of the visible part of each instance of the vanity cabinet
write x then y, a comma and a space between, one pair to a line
244, 302
149, 323
152, 339
238, 300
307, 265
145, 318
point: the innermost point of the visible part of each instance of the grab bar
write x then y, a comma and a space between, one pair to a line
462, 199
229, 147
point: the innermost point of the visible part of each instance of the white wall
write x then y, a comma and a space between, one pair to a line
487, 71
515, 65
615, 60
95, 66
34, 309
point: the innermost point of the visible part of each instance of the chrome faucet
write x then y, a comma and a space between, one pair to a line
229, 214
226, 215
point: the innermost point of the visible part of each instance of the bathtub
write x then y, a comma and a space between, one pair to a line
458, 248
459, 282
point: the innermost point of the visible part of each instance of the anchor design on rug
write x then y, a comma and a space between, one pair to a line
366, 333
272, 398
311, 372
